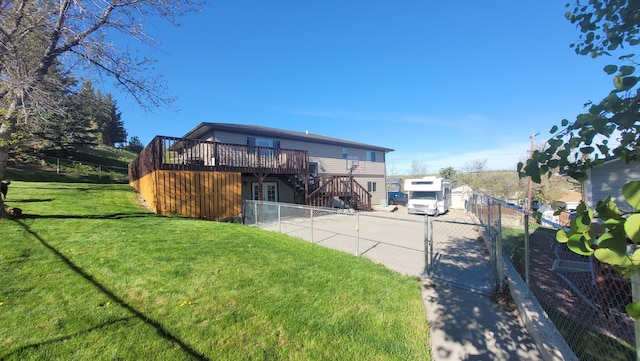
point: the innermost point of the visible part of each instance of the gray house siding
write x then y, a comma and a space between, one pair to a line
608, 180
329, 158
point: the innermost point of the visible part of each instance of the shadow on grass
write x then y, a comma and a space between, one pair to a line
141, 316
33, 200
90, 216
35, 346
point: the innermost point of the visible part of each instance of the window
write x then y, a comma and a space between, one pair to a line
371, 186
313, 168
371, 156
262, 142
344, 153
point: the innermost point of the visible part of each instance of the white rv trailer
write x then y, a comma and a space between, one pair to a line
429, 195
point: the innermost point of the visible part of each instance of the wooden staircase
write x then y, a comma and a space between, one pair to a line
340, 192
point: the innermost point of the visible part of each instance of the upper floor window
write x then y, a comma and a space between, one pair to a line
371, 156
344, 153
262, 142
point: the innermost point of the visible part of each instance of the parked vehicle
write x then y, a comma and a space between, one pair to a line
398, 198
429, 195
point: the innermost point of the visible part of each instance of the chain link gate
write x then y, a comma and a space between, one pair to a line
459, 253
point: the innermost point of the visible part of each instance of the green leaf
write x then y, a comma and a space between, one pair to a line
632, 228
553, 129
626, 70
608, 241
610, 69
612, 257
561, 236
617, 82
582, 223
578, 244
631, 192
587, 150
607, 209
633, 309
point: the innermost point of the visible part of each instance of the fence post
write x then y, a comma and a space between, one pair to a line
255, 211
311, 212
527, 262
357, 250
279, 219
489, 214
427, 254
499, 268
57, 165
635, 294
99, 171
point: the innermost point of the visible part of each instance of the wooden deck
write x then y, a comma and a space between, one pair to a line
170, 153
187, 176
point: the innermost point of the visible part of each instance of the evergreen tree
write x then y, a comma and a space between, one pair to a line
110, 124
135, 145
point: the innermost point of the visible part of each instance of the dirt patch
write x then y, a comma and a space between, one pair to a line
503, 299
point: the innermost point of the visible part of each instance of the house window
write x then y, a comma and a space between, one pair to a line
263, 143
371, 186
313, 168
344, 153
371, 156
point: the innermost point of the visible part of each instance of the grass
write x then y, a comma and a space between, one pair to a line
90, 274
99, 164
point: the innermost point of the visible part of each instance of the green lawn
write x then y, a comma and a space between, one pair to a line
88, 274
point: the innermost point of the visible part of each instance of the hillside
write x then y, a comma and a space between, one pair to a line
100, 164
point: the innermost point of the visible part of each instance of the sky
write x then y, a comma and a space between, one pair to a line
442, 83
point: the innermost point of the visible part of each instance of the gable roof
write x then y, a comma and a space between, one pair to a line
203, 128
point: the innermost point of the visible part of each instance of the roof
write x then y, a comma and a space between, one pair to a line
572, 196
203, 128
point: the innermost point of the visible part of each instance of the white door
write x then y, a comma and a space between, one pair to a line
269, 191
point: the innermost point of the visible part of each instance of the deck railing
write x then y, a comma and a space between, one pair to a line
170, 153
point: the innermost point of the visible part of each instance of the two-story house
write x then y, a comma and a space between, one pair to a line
259, 163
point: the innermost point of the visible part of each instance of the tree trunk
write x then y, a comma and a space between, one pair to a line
6, 130
4, 156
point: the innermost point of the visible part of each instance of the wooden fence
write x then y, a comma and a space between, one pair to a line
197, 194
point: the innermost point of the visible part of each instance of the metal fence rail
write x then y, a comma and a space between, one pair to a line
583, 297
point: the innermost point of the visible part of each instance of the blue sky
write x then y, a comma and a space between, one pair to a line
443, 83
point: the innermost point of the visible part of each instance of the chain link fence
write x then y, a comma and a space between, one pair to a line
395, 242
101, 172
583, 297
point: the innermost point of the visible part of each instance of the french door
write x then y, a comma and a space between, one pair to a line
269, 191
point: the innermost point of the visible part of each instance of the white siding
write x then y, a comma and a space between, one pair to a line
609, 179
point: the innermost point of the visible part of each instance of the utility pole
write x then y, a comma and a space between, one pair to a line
528, 205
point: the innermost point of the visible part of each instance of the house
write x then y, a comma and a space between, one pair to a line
394, 184
569, 201
608, 180
259, 163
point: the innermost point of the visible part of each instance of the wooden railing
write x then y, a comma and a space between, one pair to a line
343, 188
170, 153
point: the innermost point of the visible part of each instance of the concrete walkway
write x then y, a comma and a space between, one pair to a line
464, 322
